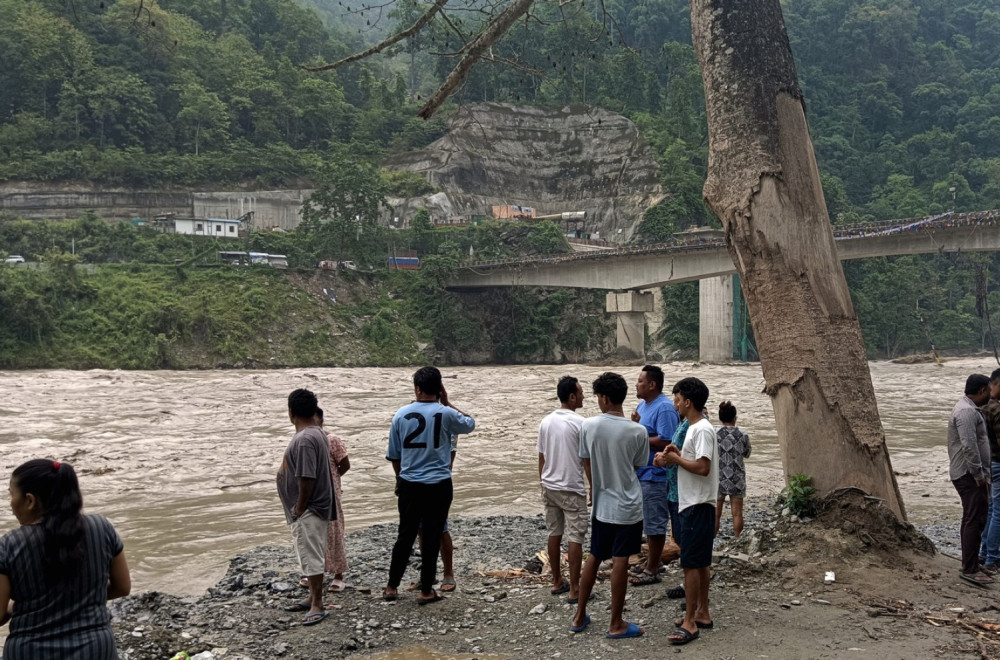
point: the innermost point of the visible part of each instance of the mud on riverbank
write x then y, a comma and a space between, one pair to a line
769, 602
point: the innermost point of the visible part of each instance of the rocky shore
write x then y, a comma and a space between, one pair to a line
769, 599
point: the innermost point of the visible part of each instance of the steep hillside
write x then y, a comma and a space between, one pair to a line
572, 158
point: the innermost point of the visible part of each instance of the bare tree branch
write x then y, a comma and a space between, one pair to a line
489, 36
379, 47
455, 29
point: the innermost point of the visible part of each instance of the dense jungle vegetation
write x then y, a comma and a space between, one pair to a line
903, 99
119, 296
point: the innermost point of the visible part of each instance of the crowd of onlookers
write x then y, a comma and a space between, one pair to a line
616, 477
660, 471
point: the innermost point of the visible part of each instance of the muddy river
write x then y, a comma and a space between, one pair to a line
183, 463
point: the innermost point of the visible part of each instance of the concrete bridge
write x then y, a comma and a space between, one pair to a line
633, 270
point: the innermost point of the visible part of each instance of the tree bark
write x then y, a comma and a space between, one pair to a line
763, 184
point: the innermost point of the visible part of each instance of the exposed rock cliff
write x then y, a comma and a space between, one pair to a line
573, 158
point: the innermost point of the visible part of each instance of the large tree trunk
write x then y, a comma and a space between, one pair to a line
763, 183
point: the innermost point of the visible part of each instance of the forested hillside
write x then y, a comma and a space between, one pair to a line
146, 93
904, 95
903, 99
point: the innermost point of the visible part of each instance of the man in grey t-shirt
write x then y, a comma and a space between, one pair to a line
305, 487
969, 469
613, 447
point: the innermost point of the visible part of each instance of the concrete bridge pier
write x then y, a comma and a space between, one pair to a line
630, 310
715, 319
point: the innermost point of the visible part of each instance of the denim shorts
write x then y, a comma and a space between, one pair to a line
655, 514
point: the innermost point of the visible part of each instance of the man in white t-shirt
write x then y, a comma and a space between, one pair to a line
614, 446
564, 493
698, 487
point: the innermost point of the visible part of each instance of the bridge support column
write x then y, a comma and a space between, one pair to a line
715, 319
630, 310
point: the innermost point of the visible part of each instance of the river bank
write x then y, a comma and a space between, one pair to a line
769, 600
158, 316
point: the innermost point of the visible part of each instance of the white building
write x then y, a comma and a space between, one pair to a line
220, 228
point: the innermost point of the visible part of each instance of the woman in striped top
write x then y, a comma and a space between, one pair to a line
58, 569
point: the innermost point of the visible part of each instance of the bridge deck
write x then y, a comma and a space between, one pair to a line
659, 265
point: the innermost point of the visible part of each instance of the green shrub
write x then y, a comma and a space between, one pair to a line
800, 496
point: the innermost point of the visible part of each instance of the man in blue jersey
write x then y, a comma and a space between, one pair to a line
420, 452
656, 412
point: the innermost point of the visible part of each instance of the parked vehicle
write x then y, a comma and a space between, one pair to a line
403, 263
14, 259
277, 261
347, 265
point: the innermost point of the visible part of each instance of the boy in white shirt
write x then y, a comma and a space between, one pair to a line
564, 492
698, 486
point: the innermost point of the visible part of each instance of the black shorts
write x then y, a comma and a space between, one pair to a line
608, 540
697, 535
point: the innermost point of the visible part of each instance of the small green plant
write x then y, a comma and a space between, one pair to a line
800, 495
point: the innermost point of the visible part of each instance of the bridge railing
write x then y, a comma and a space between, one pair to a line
941, 221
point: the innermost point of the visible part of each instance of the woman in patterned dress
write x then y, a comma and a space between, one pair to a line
734, 446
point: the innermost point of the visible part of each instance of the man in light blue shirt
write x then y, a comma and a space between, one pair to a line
420, 453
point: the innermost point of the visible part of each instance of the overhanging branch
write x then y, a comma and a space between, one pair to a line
379, 47
496, 29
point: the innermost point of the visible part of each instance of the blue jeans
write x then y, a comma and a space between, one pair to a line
991, 535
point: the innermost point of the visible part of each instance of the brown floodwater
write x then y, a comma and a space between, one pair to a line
183, 462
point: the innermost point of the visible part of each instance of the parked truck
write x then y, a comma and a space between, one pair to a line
403, 263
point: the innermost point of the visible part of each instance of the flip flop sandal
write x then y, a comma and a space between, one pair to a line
386, 596
314, 618
580, 628
701, 624
681, 636
560, 590
304, 582
574, 601
636, 569
632, 630
433, 599
301, 606
979, 579
644, 579
448, 585
676, 592
340, 588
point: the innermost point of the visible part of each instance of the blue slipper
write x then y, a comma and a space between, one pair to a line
582, 626
632, 630
301, 606
314, 618
561, 590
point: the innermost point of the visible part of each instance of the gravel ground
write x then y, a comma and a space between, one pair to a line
490, 613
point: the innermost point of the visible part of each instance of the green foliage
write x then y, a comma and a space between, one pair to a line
343, 213
187, 95
657, 224
800, 496
680, 316
546, 238
404, 183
